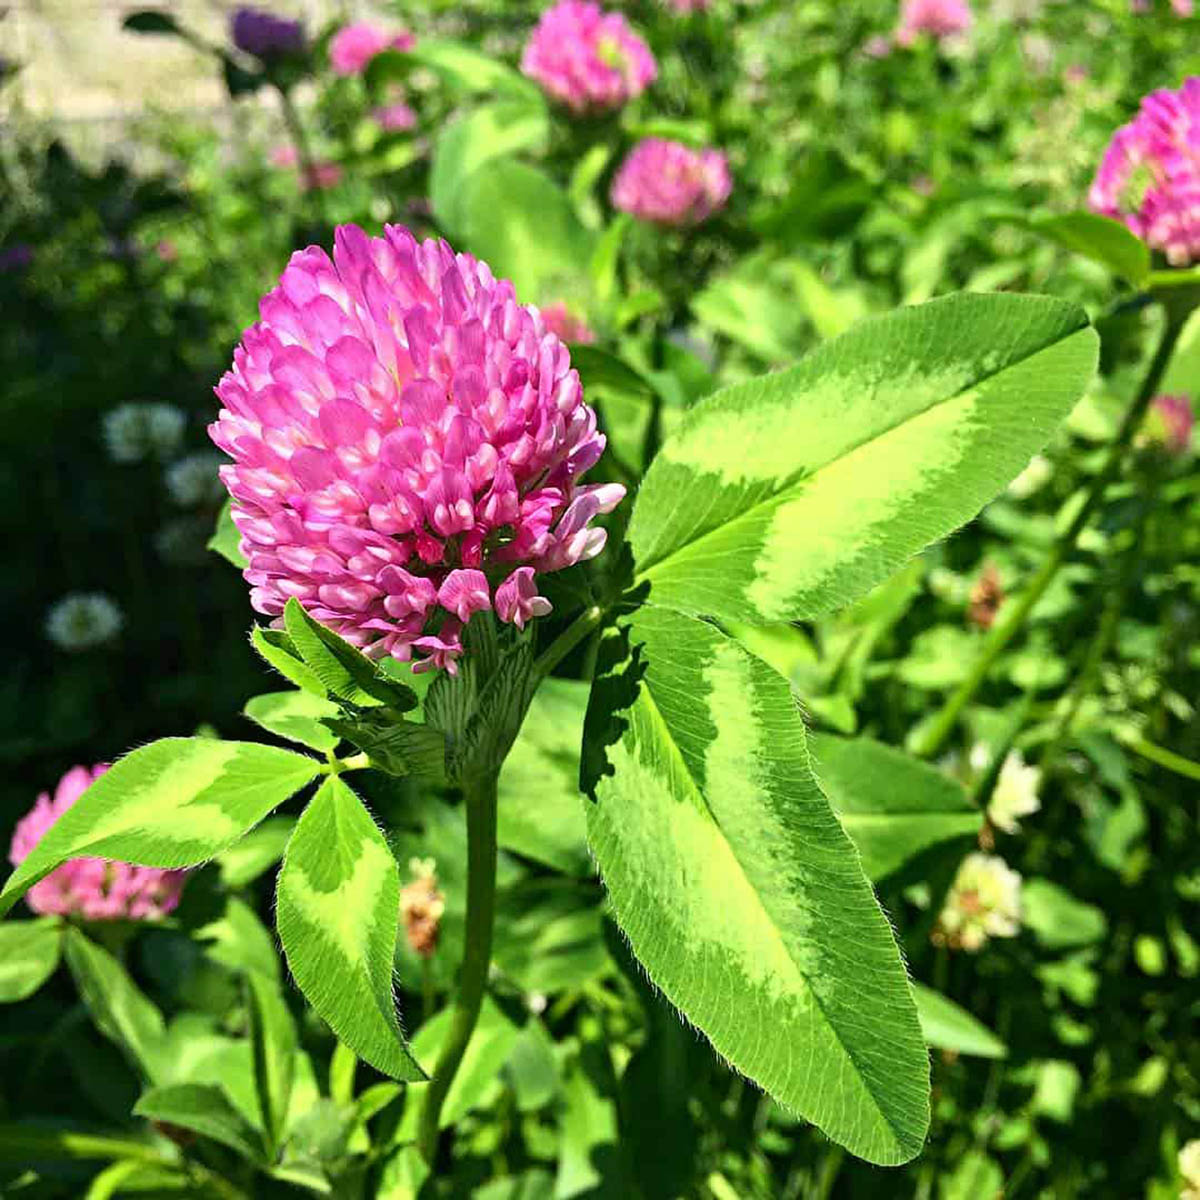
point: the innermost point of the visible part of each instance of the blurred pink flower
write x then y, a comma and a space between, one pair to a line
939, 18
1182, 8
588, 59
396, 117
566, 325
355, 45
684, 7
321, 175
93, 888
166, 250
1171, 422
265, 35
878, 46
408, 442
669, 183
1150, 174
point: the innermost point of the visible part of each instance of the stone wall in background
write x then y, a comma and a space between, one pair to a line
79, 66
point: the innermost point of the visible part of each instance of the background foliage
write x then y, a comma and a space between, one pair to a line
1062, 1060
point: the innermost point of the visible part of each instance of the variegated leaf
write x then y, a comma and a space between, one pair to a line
338, 913
738, 889
174, 803
787, 496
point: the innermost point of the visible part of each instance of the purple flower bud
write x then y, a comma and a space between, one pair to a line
265, 35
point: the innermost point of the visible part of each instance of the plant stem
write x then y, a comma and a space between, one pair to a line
295, 128
1164, 757
480, 797
1014, 614
568, 640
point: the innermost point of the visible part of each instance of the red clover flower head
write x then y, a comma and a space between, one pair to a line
408, 442
669, 183
1150, 174
588, 59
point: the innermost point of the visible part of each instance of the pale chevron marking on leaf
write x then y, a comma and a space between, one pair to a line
789, 495
744, 899
337, 914
174, 803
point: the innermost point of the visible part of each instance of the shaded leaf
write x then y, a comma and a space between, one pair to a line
1057, 919
29, 953
464, 146
226, 541
892, 806
1103, 240
117, 1005
274, 1040
947, 1026
255, 853
539, 810
205, 1109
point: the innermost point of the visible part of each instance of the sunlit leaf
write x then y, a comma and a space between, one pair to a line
337, 913
739, 891
174, 803
792, 494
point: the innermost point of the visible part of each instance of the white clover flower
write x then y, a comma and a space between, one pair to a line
1036, 475
83, 620
983, 902
1016, 793
1189, 1168
135, 432
183, 540
193, 480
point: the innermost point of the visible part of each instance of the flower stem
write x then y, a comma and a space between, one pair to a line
480, 797
1014, 614
568, 640
304, 158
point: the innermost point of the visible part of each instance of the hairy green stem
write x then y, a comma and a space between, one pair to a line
1014, 615
480, 797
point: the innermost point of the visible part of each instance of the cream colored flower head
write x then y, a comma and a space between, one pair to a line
983, 902
1015, 795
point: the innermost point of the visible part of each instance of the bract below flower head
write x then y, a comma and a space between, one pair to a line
264, 35
93, 888
668, 183
588, 59
408, 442
1149, 176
